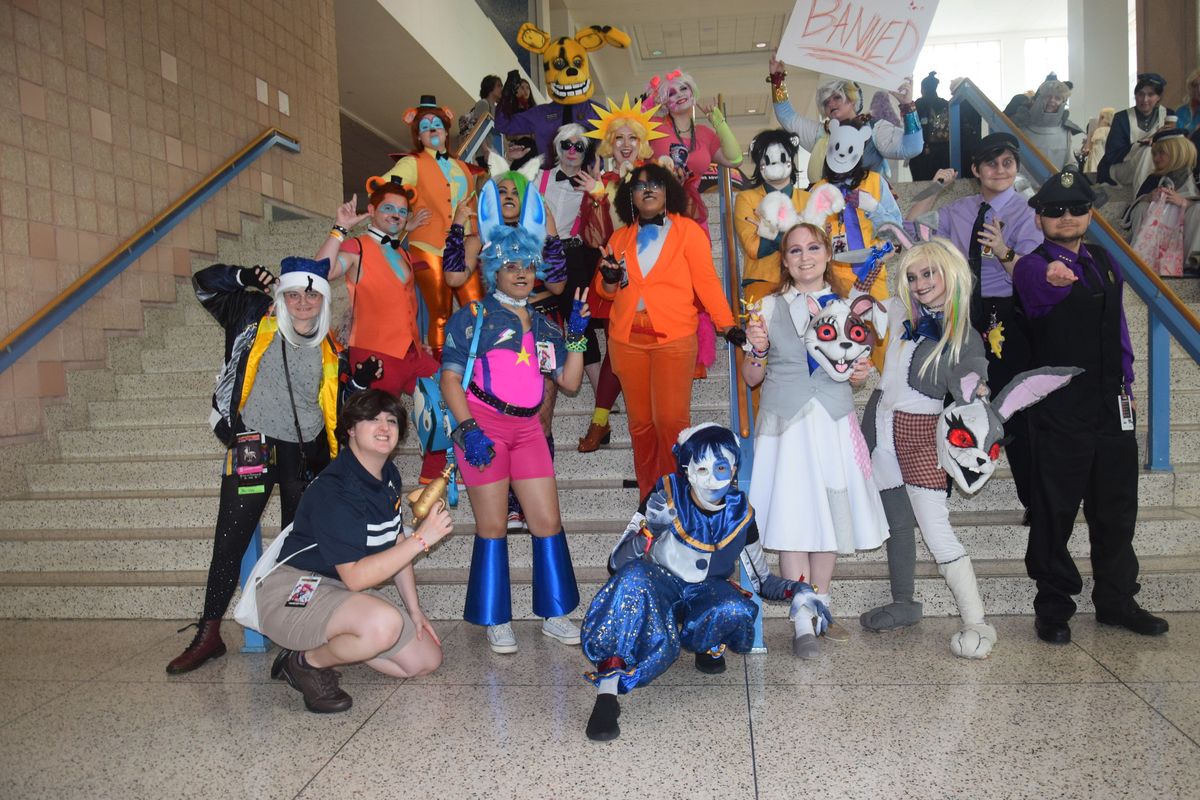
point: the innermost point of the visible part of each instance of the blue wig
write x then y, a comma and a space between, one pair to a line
705, 439
509, 245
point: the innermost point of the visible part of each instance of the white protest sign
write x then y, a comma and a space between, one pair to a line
872, 41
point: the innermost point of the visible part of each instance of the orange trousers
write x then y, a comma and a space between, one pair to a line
439, 298
656, 378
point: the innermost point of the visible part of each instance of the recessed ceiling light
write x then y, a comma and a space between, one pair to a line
751, 110
760, 45
656, 52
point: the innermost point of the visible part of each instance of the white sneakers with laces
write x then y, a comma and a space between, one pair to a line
501, 638
562, 629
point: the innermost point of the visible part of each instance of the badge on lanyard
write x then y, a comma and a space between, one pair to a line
248, 460
302, 592
547, 361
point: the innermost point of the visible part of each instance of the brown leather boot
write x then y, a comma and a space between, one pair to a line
596, 436
322, 695
205, 646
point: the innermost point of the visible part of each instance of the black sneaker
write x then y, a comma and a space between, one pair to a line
710, 664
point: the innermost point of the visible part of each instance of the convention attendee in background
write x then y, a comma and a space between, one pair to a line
1097, 138
275, 403
1084, 443
515, 96
774, 155
842, 100
490, 89
690, 146
319, 604
1046, 123
439, 182
1126, 159
652, 270
934, 115
1187, 116
1164, 219
992, 230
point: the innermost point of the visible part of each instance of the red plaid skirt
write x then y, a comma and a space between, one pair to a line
915, 437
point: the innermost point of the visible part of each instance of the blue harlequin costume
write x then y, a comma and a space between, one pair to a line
675, 572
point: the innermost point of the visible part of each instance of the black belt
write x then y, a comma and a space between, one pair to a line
571, 242
503, 407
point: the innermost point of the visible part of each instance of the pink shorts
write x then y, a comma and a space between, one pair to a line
521, 448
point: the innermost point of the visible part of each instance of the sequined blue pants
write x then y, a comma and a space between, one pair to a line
644, 614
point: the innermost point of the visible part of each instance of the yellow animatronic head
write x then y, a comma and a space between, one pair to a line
565, 59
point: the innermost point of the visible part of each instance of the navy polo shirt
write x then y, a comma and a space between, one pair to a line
348, 512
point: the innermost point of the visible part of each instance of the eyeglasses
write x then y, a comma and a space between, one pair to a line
568, 146
1054, 212
513, 268
648, 185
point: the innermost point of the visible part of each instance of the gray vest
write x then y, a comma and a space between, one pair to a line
788, 386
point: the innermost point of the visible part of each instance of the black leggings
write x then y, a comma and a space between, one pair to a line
240, 513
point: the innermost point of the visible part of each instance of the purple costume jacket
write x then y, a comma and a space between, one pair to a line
543, 121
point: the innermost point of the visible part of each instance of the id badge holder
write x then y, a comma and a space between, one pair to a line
1125, 406
303, 591
547, 361
249, 461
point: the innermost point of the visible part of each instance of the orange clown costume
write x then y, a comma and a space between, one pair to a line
440, 182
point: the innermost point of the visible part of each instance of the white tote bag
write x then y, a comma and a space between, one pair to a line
246, 611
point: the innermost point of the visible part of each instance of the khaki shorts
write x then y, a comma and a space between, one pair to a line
304, 628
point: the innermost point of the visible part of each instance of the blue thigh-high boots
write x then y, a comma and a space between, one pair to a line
555, 593
489, 596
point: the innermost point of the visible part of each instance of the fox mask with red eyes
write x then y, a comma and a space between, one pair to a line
839, 334
971, 429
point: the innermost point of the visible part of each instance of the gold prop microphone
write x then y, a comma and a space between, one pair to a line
424, 500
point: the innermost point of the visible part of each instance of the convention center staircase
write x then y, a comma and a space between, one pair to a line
112, 515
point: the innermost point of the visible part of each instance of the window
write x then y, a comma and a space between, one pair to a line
979, 61
1043, 56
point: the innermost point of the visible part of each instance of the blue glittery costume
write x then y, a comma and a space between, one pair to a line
675, 586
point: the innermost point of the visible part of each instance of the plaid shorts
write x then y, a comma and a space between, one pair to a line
915, 438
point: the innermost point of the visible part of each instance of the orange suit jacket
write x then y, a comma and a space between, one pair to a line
684, 271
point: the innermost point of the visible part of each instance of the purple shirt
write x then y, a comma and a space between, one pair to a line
1039, 298
956, 221
542, 122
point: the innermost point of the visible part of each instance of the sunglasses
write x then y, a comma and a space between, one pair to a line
567, 146
1054, 212
650, 185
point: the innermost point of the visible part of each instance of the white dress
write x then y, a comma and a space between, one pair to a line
811, 486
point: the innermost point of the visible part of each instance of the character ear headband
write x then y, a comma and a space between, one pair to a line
498, 165
377, 182
533, 212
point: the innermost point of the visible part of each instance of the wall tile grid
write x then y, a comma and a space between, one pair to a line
109, 110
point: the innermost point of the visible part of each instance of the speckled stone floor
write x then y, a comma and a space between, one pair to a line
90, 713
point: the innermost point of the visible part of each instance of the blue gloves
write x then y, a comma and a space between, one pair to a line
578, 321
477, 448
659, 516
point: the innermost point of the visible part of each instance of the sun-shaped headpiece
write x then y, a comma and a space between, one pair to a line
615, 116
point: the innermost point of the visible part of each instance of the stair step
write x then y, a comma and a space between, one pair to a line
1169, 583
986, 536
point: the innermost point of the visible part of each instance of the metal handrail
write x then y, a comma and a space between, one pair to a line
1167, 315
25, 336
733, 290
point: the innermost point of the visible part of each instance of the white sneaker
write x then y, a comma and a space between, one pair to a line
501, 638
562, 629
516, 521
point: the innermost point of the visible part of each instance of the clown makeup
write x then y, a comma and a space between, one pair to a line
926, 284
510, 201
776, 166
625, 145
432, 132
806, 259
711, 478
838, 107
390, 215
304, 306
679, 98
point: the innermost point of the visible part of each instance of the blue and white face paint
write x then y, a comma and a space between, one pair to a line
711, 477
432, 132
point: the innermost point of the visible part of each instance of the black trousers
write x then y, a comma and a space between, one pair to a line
1015, 356
1099, 469
238, 515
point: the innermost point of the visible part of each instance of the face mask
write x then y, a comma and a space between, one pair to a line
776, 164
711, 478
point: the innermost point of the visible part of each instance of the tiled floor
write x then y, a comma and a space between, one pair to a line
90, 713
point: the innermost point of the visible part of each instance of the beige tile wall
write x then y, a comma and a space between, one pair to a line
109, 110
